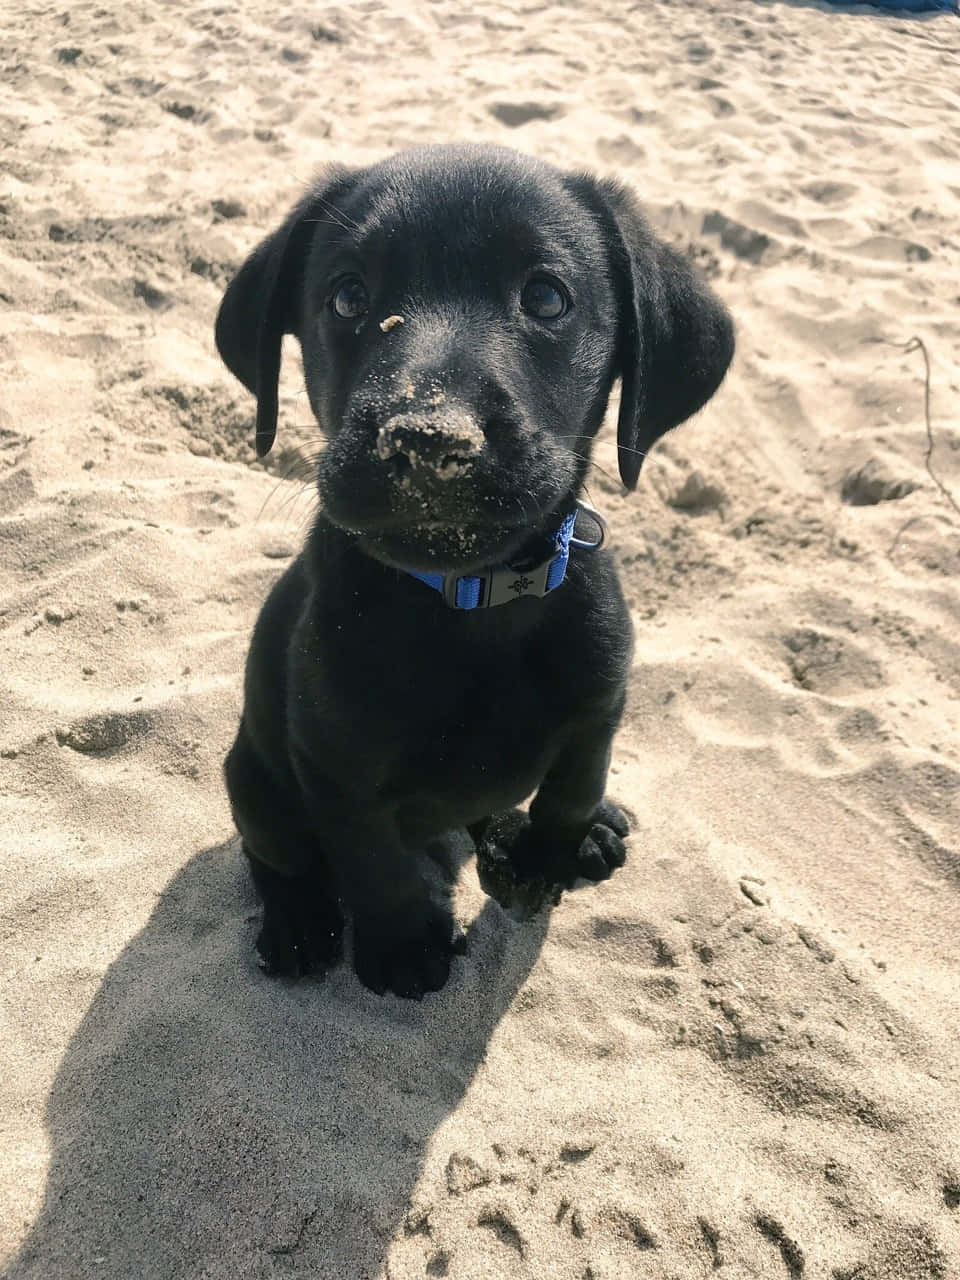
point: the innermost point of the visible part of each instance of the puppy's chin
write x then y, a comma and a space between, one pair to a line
442, 548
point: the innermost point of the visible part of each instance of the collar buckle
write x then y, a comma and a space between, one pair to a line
497, 586
504, 583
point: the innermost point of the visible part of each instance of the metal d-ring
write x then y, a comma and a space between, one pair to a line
598, 520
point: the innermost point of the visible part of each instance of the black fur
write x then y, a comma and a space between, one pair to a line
377, 718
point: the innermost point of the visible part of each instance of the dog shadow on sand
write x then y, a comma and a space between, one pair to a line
209, 1121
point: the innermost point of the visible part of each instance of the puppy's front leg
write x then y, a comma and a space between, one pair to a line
571, 831
402, 935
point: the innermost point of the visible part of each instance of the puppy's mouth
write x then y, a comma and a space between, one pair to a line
437, 546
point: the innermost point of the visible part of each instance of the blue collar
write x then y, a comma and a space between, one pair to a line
504, 583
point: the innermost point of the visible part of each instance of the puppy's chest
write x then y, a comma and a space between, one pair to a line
495, 716
438, 717
467, 751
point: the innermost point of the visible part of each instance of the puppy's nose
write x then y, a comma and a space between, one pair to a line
437, 444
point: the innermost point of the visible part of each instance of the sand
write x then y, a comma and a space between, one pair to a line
737, 1057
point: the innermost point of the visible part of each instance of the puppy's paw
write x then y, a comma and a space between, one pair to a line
299, 936
600, 853
509, 865
611, 815
408, 957
527, 867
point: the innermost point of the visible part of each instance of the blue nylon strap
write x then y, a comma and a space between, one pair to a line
434, 580
558, 570
469, 589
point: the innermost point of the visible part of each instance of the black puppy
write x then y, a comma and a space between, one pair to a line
443, 647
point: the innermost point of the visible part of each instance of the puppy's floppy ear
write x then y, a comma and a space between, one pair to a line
675, 338
263, 301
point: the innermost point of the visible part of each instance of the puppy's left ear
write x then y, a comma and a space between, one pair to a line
675, 337
263, 302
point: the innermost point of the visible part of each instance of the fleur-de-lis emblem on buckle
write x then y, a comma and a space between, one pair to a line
521, 584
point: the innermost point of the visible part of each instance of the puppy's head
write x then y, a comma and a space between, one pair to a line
463, 313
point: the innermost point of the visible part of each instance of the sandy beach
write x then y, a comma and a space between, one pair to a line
739, 1056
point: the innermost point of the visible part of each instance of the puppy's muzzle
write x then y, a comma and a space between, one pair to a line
430, 446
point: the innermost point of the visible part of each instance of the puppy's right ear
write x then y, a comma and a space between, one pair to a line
263, 301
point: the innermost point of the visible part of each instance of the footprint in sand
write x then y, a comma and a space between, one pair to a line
831, 193
498, 1221
188, 111
698, 51
515, 114
16, 490
828, 664
790, 1251
621, 150
873, 482
156, 299
740, 240
102, 735
711, 1238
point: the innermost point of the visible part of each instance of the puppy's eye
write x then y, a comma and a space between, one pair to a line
350, 300
543, 299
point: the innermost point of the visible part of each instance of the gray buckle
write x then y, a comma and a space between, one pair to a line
500, 586
506, 584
